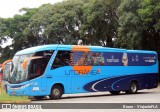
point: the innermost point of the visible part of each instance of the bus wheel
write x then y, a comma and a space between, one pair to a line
115, 92
39, 97
56, 92
133, 88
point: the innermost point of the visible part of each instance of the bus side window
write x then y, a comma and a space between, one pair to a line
37, 66
96, 58
71, 59
62, 59
82, 58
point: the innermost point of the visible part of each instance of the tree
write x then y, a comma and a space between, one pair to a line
59, 23
71, 20
4, 29
150, 14
100, 22
5, 34
130, 31
14, 28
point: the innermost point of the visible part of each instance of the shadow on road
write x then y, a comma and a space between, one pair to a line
89, 95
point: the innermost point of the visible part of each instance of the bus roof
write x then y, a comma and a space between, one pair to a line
69, 47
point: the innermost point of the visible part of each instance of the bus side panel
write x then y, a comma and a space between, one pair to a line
153, 81
122, 83
145, 81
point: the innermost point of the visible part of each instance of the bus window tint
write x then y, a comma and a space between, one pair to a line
38, 66
88, 58
95, 58
62, 59
78, 58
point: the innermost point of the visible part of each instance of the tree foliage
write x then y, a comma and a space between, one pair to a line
14, 28
139, 24
132, 24
129, 32
100, 22
149, 13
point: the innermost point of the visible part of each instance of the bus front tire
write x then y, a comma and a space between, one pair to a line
56, 92
133, 88
115, 92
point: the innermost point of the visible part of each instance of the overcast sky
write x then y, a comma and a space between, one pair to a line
8, 8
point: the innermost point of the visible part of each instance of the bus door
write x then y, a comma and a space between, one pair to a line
61, 69
37, 68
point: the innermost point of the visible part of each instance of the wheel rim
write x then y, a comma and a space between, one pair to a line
56, 92
133, 87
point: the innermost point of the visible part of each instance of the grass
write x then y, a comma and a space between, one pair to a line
6, 97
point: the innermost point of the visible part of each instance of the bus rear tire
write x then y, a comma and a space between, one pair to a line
56, 92
133, 88
115, 92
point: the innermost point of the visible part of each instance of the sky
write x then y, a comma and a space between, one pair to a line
8, 8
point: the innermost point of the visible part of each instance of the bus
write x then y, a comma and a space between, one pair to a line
6, 74
54, 70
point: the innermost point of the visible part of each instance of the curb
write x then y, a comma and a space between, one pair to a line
20, 101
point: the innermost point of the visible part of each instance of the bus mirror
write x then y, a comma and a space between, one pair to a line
25, 62
4, 64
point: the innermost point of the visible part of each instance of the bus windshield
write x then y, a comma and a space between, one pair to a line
18, 74
35, 67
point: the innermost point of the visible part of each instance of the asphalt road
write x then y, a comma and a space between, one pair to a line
143, 96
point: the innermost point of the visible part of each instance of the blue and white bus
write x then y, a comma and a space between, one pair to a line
54, 70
